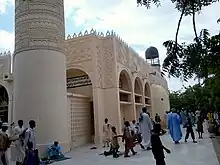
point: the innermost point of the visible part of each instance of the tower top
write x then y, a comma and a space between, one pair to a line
39, 24
151, 53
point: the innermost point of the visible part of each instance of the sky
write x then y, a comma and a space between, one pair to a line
137, 26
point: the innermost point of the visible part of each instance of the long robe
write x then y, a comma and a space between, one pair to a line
20, 152
174, 122
30, 137
145, 129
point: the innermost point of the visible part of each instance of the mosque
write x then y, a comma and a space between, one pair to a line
69, 86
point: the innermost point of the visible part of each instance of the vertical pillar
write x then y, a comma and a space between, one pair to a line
40, 70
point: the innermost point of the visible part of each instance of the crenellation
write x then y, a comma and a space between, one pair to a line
6, 53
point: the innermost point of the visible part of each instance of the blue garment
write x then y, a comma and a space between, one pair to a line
31, 158
174, 121
55, 152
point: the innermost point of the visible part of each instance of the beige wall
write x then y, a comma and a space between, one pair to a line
160, 99
104, 59
107, 59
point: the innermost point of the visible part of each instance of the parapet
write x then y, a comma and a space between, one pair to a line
2, 54
99, 35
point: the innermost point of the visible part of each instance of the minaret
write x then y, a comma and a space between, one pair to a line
152, 57
40, 69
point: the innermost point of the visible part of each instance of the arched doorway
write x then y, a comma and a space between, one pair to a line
125, 96
79, 85
147, 97
3, 104
138, 96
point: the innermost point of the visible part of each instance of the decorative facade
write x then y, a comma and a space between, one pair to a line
69, 86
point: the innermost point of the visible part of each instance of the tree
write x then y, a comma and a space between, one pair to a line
176, 62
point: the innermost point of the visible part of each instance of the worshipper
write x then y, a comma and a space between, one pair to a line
106, 133
19, 147
31, 155
157, 118
200, 127
193, 118
189, 130
30, 135
133, 126
145, 128
138, 137
197, 115
158, 122
55, 151
183, 115
5, 143
114, 144
127, 138
174, 126
157, 146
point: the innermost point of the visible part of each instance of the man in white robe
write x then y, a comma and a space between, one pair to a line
30, 135
145, 128
19, 143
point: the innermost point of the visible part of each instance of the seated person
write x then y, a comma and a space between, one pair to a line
55, 151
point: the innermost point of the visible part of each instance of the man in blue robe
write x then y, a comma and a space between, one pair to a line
174, 122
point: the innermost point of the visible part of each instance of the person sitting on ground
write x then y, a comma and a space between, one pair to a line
55, 151
157, 146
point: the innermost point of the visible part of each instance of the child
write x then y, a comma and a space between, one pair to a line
139, 137
200, 127
114, 144
157, 146
31, 157
128, 140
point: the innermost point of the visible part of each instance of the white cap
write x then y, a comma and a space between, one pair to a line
5, 125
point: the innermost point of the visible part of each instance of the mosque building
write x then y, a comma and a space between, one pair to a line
69, 86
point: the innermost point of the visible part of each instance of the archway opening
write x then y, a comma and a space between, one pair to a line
138, 96
125, 95
4, 99
147, 97
79, 86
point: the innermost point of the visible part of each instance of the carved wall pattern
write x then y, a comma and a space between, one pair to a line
39, 24
78, 51
122, 53
5, 63
108, 63
99, 66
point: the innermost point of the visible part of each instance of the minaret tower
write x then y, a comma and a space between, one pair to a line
40, 69
152, 57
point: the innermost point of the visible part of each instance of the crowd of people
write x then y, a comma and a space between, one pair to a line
146, 132
24, 140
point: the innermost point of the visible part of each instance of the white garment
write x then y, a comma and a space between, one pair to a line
133, 127
20, 152
145, 129
30, 137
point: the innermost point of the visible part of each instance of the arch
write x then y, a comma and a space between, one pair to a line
125, 82
82, 69
80, 100
4, 103
138, 87
147, 91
